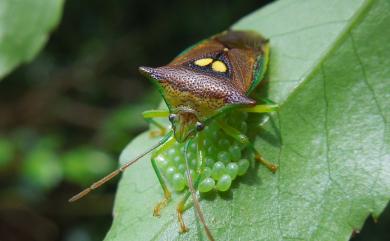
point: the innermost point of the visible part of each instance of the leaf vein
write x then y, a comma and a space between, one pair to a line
299, 30
380, 112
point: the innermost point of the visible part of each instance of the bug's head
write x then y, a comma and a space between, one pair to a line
185, 124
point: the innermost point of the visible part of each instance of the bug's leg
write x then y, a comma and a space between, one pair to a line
149, 115
192, 191
180, 209
260, 108
272, 167
167, 193
243, 139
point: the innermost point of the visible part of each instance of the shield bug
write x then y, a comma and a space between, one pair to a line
207, 90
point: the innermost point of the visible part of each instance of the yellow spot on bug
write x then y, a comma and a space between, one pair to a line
225, 49
219, 66
203, 62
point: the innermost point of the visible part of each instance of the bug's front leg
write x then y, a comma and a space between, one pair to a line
180, 208
167, 194
149, 116
243, 139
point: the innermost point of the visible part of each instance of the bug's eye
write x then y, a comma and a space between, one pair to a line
199, 126
172, 117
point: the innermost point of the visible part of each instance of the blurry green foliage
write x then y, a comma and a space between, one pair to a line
7, 151
84, 164
41, 168
125, 121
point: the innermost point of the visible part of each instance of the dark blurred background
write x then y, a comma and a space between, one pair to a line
66, 116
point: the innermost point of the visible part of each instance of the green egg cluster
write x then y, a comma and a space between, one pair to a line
224, 158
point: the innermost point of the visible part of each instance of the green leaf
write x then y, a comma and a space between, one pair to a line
24, 29
329, 73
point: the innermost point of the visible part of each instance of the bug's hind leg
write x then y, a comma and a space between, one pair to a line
149, 115
167, 194
243, 139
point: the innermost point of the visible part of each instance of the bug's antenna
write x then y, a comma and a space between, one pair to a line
105, 179
193, 194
